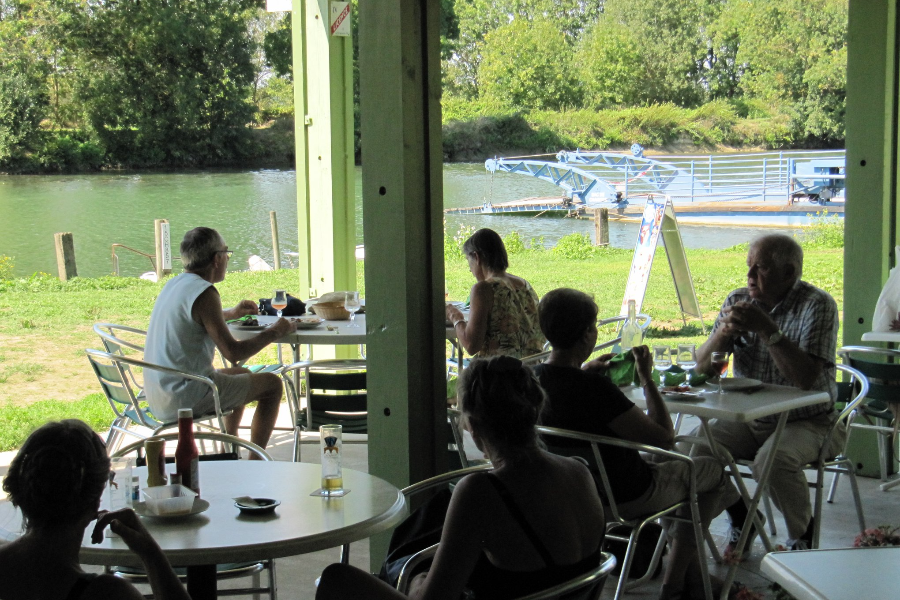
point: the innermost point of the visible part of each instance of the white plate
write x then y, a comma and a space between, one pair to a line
200, 505
683, 396
737, 384
247, 327
307, 322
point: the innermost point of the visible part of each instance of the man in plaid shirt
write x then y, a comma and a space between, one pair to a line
780, 330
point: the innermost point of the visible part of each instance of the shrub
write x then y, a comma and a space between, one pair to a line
453, 245
575, 246
825, 232
6, 267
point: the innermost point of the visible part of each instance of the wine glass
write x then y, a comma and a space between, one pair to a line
351, 304
279, 301
662, 360
719, 361
686, 358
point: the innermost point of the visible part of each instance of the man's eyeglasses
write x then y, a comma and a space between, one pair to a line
228, 252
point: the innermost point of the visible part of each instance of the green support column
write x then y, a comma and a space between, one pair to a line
323, 116
871, 122
400, 87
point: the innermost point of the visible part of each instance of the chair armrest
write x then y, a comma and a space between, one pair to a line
414, 561
118, 360
437, 480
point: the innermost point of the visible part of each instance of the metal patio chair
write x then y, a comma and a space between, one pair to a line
590, 450
335, 394
587, 586
114, 372
882, 367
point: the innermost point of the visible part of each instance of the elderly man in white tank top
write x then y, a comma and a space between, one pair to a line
188, 324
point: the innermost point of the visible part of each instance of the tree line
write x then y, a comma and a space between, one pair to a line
776, 64
93, 83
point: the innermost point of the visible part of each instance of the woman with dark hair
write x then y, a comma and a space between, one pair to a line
503, 317
535, 521
56, 481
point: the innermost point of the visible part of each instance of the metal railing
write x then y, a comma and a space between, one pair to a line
758, 176
150, 257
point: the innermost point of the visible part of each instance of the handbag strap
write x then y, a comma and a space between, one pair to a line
519, 516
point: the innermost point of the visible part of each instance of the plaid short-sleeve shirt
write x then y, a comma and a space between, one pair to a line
808, 317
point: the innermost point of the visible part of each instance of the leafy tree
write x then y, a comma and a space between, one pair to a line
527, 65
22, 106
609, 65
277, 46
167, 82
477, 18
674, 42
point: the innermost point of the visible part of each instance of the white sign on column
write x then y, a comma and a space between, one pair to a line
278, 5
340, 18
166, 242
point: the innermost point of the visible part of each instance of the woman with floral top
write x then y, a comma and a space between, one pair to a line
503, 317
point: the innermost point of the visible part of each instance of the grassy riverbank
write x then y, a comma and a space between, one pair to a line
45, 324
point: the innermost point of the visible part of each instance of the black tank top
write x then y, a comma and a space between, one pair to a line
490, 581
80, 585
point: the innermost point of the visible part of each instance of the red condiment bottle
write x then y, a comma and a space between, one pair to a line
187, 457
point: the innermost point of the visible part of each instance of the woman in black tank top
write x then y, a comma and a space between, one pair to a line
56, 481
534, 522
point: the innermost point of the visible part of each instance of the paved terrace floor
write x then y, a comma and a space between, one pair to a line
296, 575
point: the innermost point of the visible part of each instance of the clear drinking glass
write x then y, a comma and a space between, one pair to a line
686, 358
719, 361
351, 304
662, 360
119, 488
279, 301
331, 446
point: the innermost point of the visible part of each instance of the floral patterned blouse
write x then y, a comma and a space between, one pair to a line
513, 328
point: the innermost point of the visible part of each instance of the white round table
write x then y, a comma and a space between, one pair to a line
222, 534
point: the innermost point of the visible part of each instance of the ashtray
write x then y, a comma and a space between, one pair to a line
256, 506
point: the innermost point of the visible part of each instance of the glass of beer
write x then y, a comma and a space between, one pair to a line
331, 447
719, 362
279, 301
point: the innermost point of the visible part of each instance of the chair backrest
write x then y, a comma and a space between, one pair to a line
116, 338
882, 368
115, 383
856, 391
336, 394
221, 438
589, 449
120, 339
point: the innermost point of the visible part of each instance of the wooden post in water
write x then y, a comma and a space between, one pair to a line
163, 247
601, 227
276, 249
65, 255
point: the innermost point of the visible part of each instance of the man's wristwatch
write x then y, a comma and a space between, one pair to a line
775, 338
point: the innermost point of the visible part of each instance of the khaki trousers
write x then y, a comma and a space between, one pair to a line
800, 444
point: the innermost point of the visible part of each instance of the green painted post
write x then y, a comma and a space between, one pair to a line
400, 89
870, 222
323, 101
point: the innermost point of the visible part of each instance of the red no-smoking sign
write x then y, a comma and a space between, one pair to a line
340, 23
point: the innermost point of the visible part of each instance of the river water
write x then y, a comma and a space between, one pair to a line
102, 209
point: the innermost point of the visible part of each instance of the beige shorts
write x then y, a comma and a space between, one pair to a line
234, 391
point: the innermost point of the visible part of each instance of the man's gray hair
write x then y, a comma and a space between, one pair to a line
199, 247
782, 250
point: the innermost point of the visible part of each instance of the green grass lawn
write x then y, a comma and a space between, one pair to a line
45, 324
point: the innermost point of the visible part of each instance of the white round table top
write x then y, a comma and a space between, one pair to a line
222, 534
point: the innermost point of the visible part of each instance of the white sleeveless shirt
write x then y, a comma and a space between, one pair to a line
175, 340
